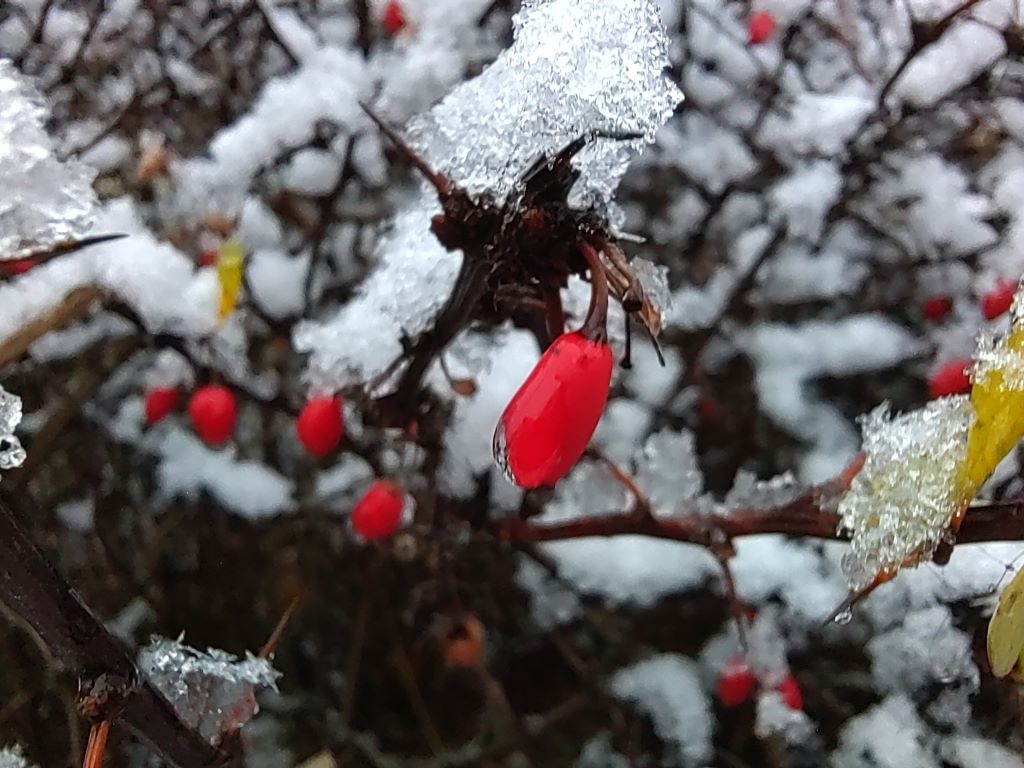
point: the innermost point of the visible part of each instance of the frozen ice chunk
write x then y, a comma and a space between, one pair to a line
213, 692
575, 69
45, 200
11, 453
901, 502
667, 688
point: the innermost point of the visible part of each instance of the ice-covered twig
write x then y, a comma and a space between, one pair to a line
110, 685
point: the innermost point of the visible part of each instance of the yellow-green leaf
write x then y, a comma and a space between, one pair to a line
1006, 629
230, 266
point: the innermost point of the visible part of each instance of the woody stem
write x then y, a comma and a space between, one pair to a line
595, 326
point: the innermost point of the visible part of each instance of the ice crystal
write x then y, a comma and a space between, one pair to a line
46, 200
11, 453
654, 280
901, 502
213, 692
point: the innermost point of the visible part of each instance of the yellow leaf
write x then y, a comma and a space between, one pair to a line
230, 267
998, 402
1006, 629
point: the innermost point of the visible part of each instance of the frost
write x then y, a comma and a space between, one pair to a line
667, 470
47, 201
213, 692
12, 455
667, 688
749, 492
13, 757
900, 504
654, 280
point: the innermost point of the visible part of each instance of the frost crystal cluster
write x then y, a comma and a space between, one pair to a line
11, 453
45, 200
901, 502
213, 692
575, 69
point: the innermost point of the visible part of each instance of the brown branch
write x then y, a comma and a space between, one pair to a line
110, 685
74, 306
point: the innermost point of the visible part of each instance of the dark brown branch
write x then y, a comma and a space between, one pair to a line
110, 685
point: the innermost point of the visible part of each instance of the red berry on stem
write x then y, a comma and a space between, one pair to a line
736, 683
936, 308
998, 301
17, 266
549, 421
378, 513
950, 379
159, 404
789, 690
760, 27
207, 258
213, 413
320, 425
394, 18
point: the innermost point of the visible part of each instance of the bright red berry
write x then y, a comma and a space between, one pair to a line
950, 379
998, 301
17, 266
936, 308
213, 413
549, 421
378, 513
789, 690
320, 425
207, 258
760, 27
159, 404
736, 683
394, 18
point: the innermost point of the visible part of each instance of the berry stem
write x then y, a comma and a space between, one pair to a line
595, 327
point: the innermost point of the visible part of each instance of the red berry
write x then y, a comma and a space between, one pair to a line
936, 308
159, 404
736, 683
207, 258
707, 409
320, 425
549, 421
760, 27
789, 689
394, 18
998, 301
378, 513
213, 413
17, 266
950, 379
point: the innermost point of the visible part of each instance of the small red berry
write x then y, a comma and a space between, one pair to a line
549, 421
998, 301
936, 308
950, 379
394, 18
760, 27
320, 425
17, 266
207, 258
159, 404
736, 683
378, 513
789, 690
213, 413
707, 409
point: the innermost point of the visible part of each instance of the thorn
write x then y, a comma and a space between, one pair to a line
439, 181
657, 348
275, 637
627, 357
68, 246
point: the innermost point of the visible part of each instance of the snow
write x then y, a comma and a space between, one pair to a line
54, 201
888, 735
667, 688
901, 503
13, 757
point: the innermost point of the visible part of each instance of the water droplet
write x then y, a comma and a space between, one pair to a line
499, 448
845, 616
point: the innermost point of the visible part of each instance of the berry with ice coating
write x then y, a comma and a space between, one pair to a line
549, 421
998, 301
213, 412
378, 514
950, 379
394, 18
760, 27
789, 690
936, 308
736, 683
160, 402
320, 425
